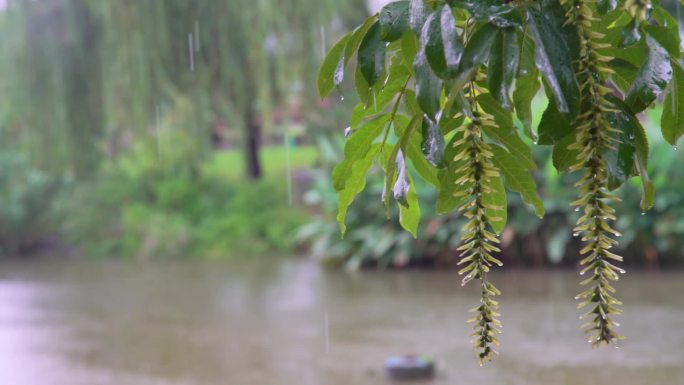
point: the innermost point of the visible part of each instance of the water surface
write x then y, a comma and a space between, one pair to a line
265, 323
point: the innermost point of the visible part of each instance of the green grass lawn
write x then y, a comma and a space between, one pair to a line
230, 163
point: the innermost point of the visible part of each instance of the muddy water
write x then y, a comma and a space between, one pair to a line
264, 323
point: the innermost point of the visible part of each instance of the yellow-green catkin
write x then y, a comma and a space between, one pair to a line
593, 140
476, 171
638, 9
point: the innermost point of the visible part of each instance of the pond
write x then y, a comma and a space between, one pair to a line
273, 321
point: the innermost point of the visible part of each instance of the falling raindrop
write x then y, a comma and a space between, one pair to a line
191, 52
327, 333
288, 167
643, 213
322, 41
157, 128
675, 148
577, 209
347, 132
197, 37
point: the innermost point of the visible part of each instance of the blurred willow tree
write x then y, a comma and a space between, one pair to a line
84, 78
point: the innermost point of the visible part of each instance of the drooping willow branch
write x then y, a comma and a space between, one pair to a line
592, 141
476, 168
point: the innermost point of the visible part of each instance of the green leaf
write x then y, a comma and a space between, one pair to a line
496, 198
428, 85
631, 34
356, 148
331, 72
383, 94
527, 66
564, 158
394, 20
372, 55
356, 184
409, 215
447, 200
554, 61
357, 37
401, 185
477, 50
503, 65
443, 47
555, 15
605, 6
493, 11
391, 165
652, 77
518, 178
620, 162
505, 134
625, 73
475, 54
409, 49
554, 126
526, 87
417, 15
672, 122
425, 170
432, 144
648, 191
666, 38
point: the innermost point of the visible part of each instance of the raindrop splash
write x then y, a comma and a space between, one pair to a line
327, 332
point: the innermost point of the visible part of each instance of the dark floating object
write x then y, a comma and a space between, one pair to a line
409, 367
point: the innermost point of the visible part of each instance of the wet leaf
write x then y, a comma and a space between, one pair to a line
493, 11
401, 185
372, 55
625, 73
331, 72
432, 144
357, 37
428, 85
605, 6
443, 47
563, 158
356, 184
447, 200
417, 15
526, 87
394, 20
404, 134
652, 77
497, 200
667, 38
518, 178
554, 126
356, 148
503, 65
631, 34
409, 215
554, 62
505, 134
672, 122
